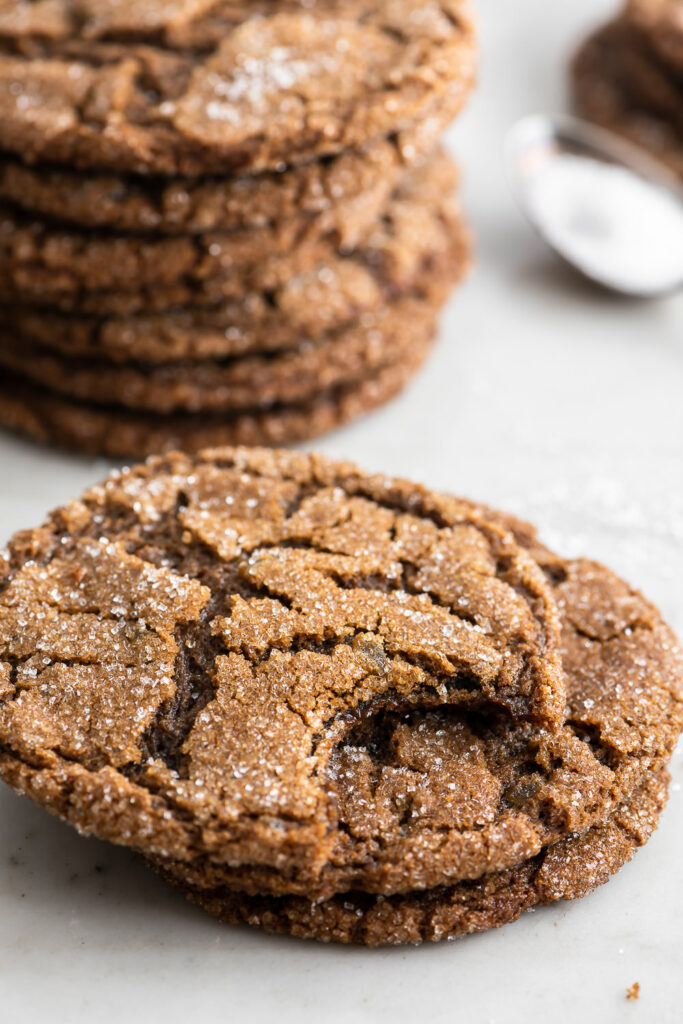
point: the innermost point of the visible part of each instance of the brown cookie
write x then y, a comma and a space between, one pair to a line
443, 773
601, 94
297, 375
188, 651
89, 272
31, 250
652, 87
383, 336
569, 870
119, 433
326, 299
218, 86
662, 22
197, 205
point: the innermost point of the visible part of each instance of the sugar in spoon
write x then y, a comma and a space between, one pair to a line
604, 205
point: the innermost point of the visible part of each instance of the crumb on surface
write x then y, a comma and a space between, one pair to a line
633, 992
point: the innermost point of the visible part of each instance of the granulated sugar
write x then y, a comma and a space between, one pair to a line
617, 227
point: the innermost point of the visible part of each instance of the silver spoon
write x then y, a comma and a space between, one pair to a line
605, 206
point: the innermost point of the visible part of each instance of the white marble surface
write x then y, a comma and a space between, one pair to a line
545, 397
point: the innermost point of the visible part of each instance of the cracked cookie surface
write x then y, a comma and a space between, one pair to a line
298, 600
97, 273
295, 374
624, 673
447, 771
202, 86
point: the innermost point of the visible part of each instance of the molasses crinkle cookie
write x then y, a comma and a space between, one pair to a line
206, 87
186, 185
627, 78
332, 703
90, 271
662, 23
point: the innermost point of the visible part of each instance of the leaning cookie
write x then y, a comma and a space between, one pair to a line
218, 87
443, 772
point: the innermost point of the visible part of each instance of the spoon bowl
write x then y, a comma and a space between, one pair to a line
605, 206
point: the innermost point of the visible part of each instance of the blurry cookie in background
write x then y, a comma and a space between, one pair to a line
628, 78
223, 221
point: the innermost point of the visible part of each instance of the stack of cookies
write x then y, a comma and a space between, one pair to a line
333, 704
628, 77
222, 220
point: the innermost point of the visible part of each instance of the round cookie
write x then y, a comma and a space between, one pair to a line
87, 272
195, 206
243, 384
219, 86
260, 381
200, 637
624, 674
134, 203
119, 433
326, 299
601, 95
568, 870
307, 306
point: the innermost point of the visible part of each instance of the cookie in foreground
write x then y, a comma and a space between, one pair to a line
281, 678
623, 672
194, 639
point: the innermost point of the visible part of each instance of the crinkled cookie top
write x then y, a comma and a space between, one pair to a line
187, 652
210, 86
